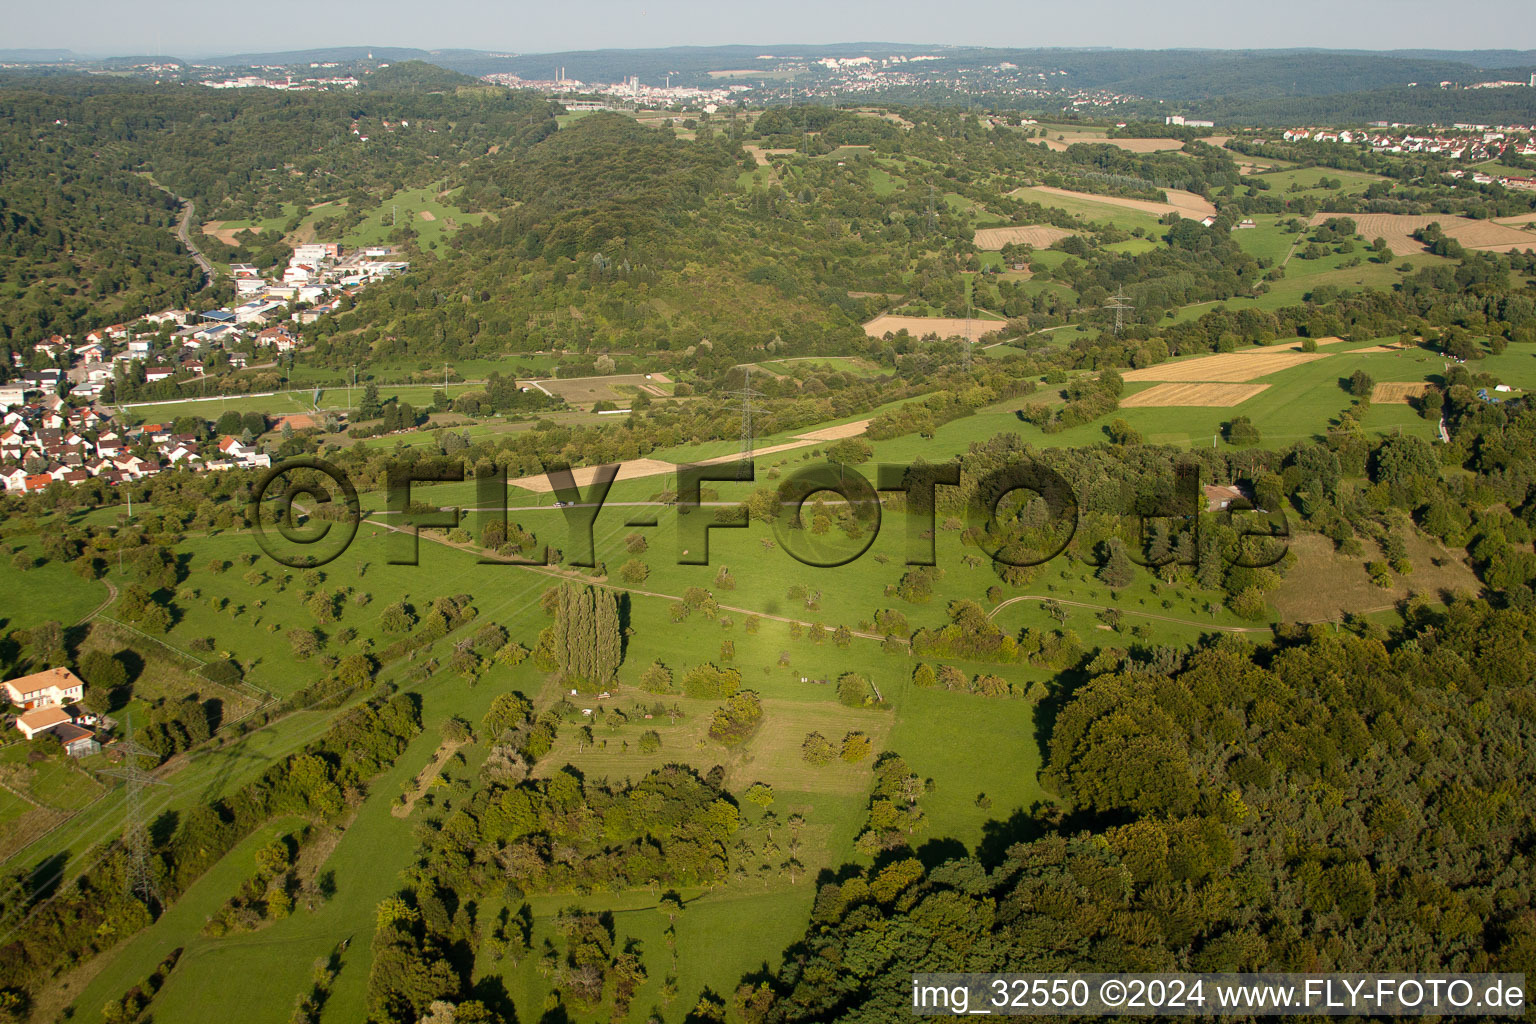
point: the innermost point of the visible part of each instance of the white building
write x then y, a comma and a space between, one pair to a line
44, 689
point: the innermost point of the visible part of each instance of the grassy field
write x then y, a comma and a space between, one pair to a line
47, 592
1298, 403
422, 209
262, 970
1093, 212
883, 182
1304, 181
842, 364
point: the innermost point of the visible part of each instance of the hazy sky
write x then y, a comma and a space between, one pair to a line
198, 27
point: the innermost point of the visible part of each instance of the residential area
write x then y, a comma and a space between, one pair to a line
45, 439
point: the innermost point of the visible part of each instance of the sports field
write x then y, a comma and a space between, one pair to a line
611, 388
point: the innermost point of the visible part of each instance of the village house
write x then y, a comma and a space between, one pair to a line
243, 454
43, 689
78, 741
41, 720
1221, 496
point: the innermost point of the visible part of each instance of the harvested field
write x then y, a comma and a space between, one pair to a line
1521, 218
1145, 145
1207, 395
836, 433
1397, 394
630, 470
1228, 367
637, 468
1038, 236
1294, 346
1398, 229
1129, 145
1185, 204
922, 326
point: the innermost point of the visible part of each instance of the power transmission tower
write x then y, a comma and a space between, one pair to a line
1119, 303
138, 875
746, 394
966, 355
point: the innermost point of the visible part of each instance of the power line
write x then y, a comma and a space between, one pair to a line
746, 394
1119, 303
138, 875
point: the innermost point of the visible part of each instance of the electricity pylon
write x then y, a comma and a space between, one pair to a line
1119, 303
746, 394
138, 875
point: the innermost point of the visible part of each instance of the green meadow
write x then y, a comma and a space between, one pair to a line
1092, 211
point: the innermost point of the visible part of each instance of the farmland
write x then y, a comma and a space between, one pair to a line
1183, 203
1218, 395
923, 326
1038, 236
1232, 367
1398, 230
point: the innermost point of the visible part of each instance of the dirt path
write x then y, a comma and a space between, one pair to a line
635, 469
425, 778
1128, 611
111, 596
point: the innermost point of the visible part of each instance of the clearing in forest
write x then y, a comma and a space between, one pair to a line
1038, 236
922, 326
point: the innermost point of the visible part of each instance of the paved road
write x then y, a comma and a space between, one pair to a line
184, 232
